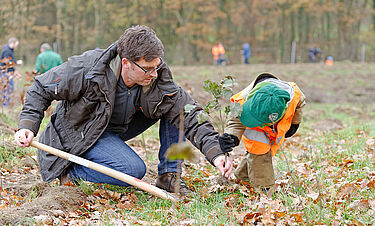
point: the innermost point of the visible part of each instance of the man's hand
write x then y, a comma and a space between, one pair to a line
23, 137
224, 168
228, 142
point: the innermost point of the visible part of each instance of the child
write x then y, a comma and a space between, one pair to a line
272, 111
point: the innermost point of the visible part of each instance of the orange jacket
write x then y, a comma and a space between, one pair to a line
215, 52
329, 62
218, 50
259, 140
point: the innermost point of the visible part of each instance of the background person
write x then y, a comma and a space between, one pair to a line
329, 61
47, 59
246, 52
110, 96
314, 54
218, 53
272, 111
7, 52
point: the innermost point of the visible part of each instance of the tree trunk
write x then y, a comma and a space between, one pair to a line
59, 33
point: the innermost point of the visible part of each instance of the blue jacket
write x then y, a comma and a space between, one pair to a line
7, 52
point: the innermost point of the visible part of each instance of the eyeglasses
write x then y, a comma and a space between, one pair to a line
149, 71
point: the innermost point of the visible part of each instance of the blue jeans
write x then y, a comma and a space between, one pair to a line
8, 91
110, 150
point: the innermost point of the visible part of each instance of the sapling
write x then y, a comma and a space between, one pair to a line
221, 92
220, 105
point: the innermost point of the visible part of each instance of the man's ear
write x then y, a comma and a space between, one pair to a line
125, 63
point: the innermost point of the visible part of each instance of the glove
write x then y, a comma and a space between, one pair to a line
292, 130
228, 142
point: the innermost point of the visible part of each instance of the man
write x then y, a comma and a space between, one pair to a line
7, 53
47, 59
108, 97
271, 112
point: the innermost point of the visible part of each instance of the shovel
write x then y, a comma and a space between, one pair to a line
107, 171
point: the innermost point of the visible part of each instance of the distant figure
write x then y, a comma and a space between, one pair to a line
218, 52
329, 61
246, 52
7, 52
314, 54
47, 59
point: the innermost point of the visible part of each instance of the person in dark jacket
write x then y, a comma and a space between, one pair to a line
107, 97
47, 59
7, 54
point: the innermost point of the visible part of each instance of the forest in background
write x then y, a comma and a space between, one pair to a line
189, 28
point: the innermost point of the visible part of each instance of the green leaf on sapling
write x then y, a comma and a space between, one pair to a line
212, 88
202, 117
189, 107
235, 109
212, 104
226, 93
227, 109
227, 82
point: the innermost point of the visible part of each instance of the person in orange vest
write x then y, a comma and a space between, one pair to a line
271, 112
329, 61
215, 53
218, 52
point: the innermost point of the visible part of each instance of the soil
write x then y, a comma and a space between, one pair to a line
50, 200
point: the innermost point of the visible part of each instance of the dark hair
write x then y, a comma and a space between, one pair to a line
140, 41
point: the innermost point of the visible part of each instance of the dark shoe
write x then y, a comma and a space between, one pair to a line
167, 181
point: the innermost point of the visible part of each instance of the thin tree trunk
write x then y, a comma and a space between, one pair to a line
59, 33
76, 30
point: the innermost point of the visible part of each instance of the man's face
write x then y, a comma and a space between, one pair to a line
133, 74
14, 45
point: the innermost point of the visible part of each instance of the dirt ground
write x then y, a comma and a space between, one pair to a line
41, 199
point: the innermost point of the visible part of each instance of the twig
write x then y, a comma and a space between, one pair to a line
179, 161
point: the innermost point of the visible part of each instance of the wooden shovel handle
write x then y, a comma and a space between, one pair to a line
107, 171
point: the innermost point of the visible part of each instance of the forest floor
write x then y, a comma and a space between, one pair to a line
325, 174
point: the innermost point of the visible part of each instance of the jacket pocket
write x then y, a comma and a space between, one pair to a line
81, 112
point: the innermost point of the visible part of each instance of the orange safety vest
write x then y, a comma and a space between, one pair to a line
259, 140
329, 62
221, 49
215, 52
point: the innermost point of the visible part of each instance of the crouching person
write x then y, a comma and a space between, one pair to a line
107, 97
271, 112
